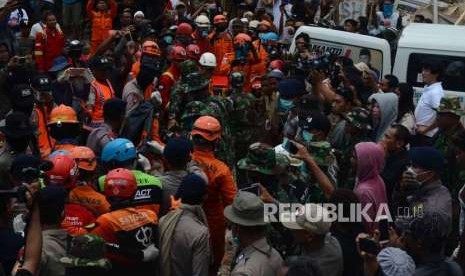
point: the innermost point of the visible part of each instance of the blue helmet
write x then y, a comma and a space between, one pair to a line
65, 152
266, 37
119, 150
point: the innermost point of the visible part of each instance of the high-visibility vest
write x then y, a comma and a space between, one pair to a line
102, 93
45, 141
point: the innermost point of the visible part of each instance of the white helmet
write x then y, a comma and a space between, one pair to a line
202, 21
207, 59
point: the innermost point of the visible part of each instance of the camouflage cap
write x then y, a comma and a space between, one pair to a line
195, 81
87, 251
359, 117
263, 159
321, 152
451, 105
194, 108
188, 66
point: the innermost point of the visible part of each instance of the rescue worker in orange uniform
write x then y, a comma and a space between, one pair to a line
101, 13
64, 173
41, 85
49, 44
221, 189
84, 193
172, 74
131, 231
64, 127
202, 30
221, 41
100, 91
243, 59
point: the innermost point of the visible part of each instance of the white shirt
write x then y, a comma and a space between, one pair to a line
425, 112
36, 28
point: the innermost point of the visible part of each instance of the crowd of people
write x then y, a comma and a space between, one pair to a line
150, 137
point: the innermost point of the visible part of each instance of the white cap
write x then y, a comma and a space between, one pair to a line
207, 59
138, 13
253, 24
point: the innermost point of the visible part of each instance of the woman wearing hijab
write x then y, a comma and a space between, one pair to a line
384, 108
370, 189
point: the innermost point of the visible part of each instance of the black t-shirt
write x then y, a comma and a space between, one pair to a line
10, 244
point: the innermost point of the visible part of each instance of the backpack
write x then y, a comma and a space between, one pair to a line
137, 125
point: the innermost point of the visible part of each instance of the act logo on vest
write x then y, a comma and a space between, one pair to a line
143, 194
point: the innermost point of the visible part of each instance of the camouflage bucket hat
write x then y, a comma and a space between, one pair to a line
195, 81
359, 117
451, 105
321, 152
187, 67
87, 251
193, 109
263, 159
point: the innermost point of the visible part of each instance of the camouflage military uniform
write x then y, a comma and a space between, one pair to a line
443, 142
358, 118
87, 251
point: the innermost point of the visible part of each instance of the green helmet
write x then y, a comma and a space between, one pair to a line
187, 67
321, 152
359, 117
263, 159
192, 109
195, 82
451, 105
87, 251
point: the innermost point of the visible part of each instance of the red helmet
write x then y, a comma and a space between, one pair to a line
178, 53
64, 171
242, 39
184, 29
218, 19
277, 64
193, 52
120, 183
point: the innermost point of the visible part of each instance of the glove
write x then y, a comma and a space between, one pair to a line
150, 253
156, 147
143, 162
156, 96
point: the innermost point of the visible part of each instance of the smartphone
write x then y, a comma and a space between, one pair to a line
252, 188
369, 246
76, 72
383, 227
290, 147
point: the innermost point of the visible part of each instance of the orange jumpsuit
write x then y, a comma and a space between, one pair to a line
202, 42
45, 141
86, 196
101, 92
166, 82
221, 44
102, 22
220, 193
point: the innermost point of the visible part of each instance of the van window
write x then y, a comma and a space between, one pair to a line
454, 73
356, 53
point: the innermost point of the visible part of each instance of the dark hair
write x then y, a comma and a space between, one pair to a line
428, 20
305, 36
365, 52
435, 66
393, 81
345, 61
345, 197
345, 93
303, 266
355, 78
46, 14
459, 141
65, 131
421, 17
405, 100
52, 205
402, 133
113, 109
351, 22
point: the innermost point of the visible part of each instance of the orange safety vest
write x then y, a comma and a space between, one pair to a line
102, 93
45, 141
102, 23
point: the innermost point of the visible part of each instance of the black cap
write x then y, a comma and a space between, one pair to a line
316, 121
42, 83
307, 105
114, 108
100, 62
22, 96
17, 125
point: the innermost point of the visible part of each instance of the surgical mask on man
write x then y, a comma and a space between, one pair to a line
285, 105
388, 10
242, 52
410, 180
306, 136
204, 33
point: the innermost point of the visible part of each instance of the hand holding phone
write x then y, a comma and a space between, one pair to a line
369, 246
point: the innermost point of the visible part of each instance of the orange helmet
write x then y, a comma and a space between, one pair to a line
120, 183
218, 19
178, 53
277, 64
64, 171
242, 39
84, 157
193, 52
208, 127
151, 48
184, 29
63, 114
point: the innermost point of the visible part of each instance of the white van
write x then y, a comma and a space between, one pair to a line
443, 42
348, 44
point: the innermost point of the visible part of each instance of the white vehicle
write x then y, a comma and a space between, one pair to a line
348, 44
443, 42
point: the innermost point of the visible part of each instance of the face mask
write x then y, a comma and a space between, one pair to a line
168, 39
241, 52
307, 136
285, 105
388, 10
204, 33
221, 28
